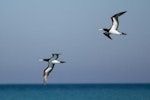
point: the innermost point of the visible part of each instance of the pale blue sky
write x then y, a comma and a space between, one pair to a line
34, 29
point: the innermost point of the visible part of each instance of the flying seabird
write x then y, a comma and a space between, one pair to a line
114, 27
51, 62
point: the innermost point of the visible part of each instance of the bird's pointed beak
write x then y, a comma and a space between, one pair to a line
100, 29
40, 59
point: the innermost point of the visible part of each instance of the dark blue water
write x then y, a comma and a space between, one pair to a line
76, 92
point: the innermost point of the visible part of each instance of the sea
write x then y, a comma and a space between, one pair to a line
75, 92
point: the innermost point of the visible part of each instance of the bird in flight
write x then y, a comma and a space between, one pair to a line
51, 62
114, 27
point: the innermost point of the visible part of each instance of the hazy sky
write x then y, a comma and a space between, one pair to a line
34, 29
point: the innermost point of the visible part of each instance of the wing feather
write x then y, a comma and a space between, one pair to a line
46, 73
115, 21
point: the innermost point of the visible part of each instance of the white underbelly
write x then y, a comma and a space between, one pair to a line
114, 32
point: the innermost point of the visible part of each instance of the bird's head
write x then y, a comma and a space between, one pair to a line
44, 60
104, 29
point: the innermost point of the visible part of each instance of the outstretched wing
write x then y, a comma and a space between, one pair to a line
115, 22
47, 72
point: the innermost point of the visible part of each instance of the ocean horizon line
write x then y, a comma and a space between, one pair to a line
75, 83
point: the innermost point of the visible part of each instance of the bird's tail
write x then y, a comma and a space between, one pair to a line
124, 34
62, 62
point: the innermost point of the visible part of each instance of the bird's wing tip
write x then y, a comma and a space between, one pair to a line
124, 11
